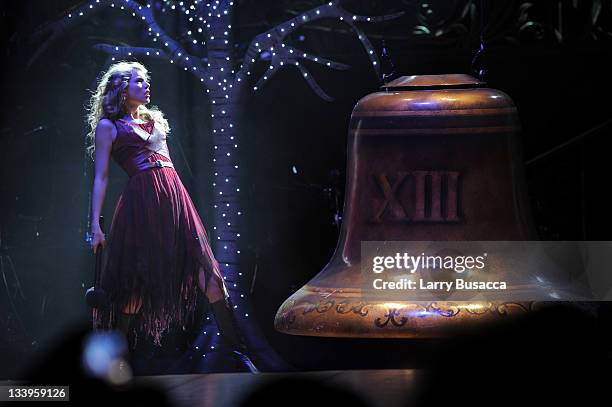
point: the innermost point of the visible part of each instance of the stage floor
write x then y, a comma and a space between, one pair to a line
375, 388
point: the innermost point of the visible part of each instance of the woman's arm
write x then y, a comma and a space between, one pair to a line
105, 133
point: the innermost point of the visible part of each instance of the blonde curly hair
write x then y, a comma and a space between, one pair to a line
108, 100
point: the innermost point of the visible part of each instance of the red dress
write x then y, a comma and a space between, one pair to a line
156, 244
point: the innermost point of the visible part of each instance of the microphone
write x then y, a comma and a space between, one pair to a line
95, 296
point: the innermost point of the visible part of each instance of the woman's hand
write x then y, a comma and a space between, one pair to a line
97, 239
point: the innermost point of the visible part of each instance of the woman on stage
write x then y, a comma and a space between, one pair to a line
157, 255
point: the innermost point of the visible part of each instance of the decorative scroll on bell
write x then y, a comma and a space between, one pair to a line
430, 158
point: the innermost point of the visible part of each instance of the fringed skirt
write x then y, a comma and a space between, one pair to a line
154, 251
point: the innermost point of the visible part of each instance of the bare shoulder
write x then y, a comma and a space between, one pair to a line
106, 129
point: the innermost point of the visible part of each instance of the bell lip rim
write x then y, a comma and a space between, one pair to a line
450, 81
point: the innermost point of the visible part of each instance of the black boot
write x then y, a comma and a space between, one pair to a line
228, 326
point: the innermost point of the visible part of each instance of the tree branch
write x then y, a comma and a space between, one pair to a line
273, 40
296, 53
53, 31
289, 56
126, 52
313, 84
174, 51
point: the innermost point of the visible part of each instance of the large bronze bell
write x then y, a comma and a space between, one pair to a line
430, 158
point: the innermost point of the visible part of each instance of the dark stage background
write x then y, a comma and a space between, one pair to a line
553, 58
